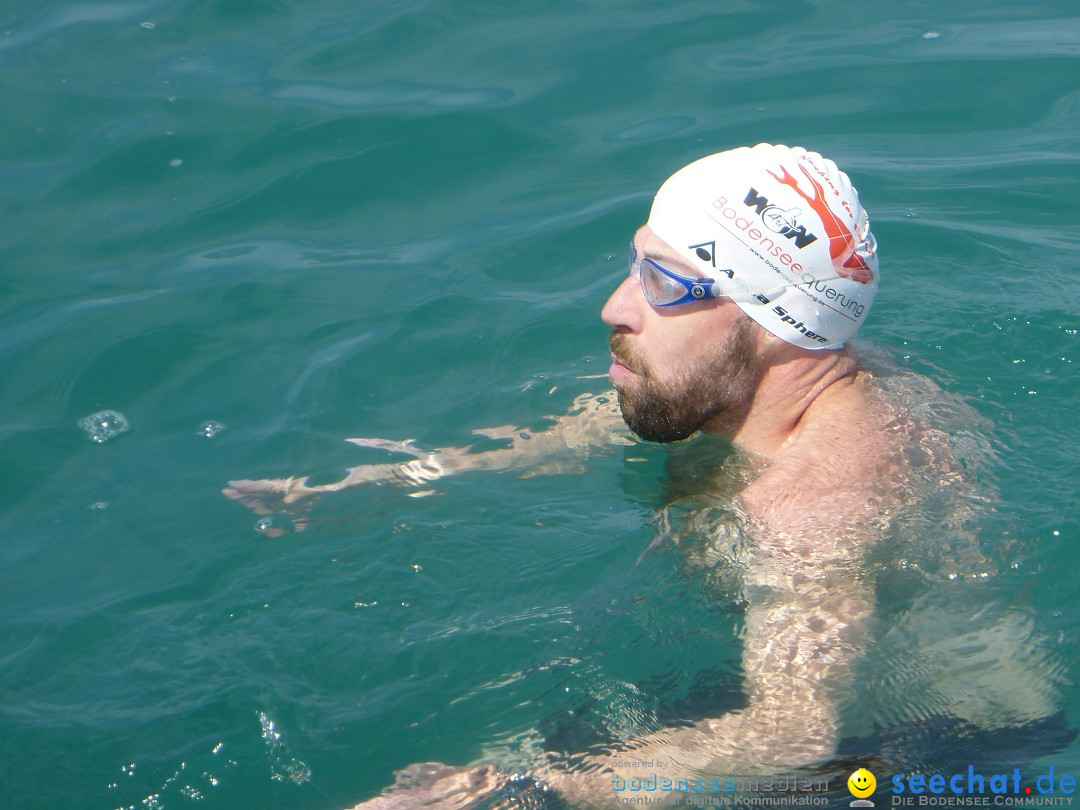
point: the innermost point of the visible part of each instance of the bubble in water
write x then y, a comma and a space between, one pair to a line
98, 506
210, 429
176, 163
931, 35
104, 425
149, 26
264, 524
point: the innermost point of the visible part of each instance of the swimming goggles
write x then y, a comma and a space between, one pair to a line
663, 287
666, 288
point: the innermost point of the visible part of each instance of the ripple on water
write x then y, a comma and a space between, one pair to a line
394, 94
653, 128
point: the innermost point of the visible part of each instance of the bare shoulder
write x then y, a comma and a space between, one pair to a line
838, 472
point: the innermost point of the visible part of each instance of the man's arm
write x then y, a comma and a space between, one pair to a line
808, 615
804, 633
593, 421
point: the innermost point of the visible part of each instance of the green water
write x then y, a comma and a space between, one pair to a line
309, 221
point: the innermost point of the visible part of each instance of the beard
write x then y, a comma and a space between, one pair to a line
718, 387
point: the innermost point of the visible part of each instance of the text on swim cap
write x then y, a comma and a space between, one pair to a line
766, 241
779, 220
826, 293
798, 325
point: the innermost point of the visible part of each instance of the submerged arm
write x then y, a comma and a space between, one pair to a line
592, 421
809, 609
804, 632
810, 604
808, 614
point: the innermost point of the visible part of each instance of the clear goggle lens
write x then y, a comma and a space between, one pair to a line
665, 288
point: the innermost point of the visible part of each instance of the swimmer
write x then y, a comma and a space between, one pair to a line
755, 268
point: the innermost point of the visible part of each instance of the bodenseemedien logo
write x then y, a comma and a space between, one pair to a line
861, 784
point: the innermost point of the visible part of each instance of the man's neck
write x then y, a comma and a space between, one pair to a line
795, 389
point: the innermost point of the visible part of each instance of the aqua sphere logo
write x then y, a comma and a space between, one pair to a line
972, 789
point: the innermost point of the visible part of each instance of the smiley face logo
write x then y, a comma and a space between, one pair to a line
861, 783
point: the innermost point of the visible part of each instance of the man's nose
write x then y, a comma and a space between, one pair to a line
623, 309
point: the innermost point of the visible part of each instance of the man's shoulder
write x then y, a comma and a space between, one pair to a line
836, 471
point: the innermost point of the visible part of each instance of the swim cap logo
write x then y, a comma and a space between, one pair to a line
706, 251
779, 220
843, 247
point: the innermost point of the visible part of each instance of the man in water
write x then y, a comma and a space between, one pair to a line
755, 268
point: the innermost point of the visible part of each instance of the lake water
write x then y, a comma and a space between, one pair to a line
251, 230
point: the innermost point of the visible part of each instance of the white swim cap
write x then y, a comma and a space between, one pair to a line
782, 224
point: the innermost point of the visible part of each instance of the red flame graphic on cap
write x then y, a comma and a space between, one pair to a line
842, 243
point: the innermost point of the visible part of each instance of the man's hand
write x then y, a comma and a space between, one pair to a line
260, 496
268, 495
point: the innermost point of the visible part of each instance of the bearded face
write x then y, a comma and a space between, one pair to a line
716, 385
